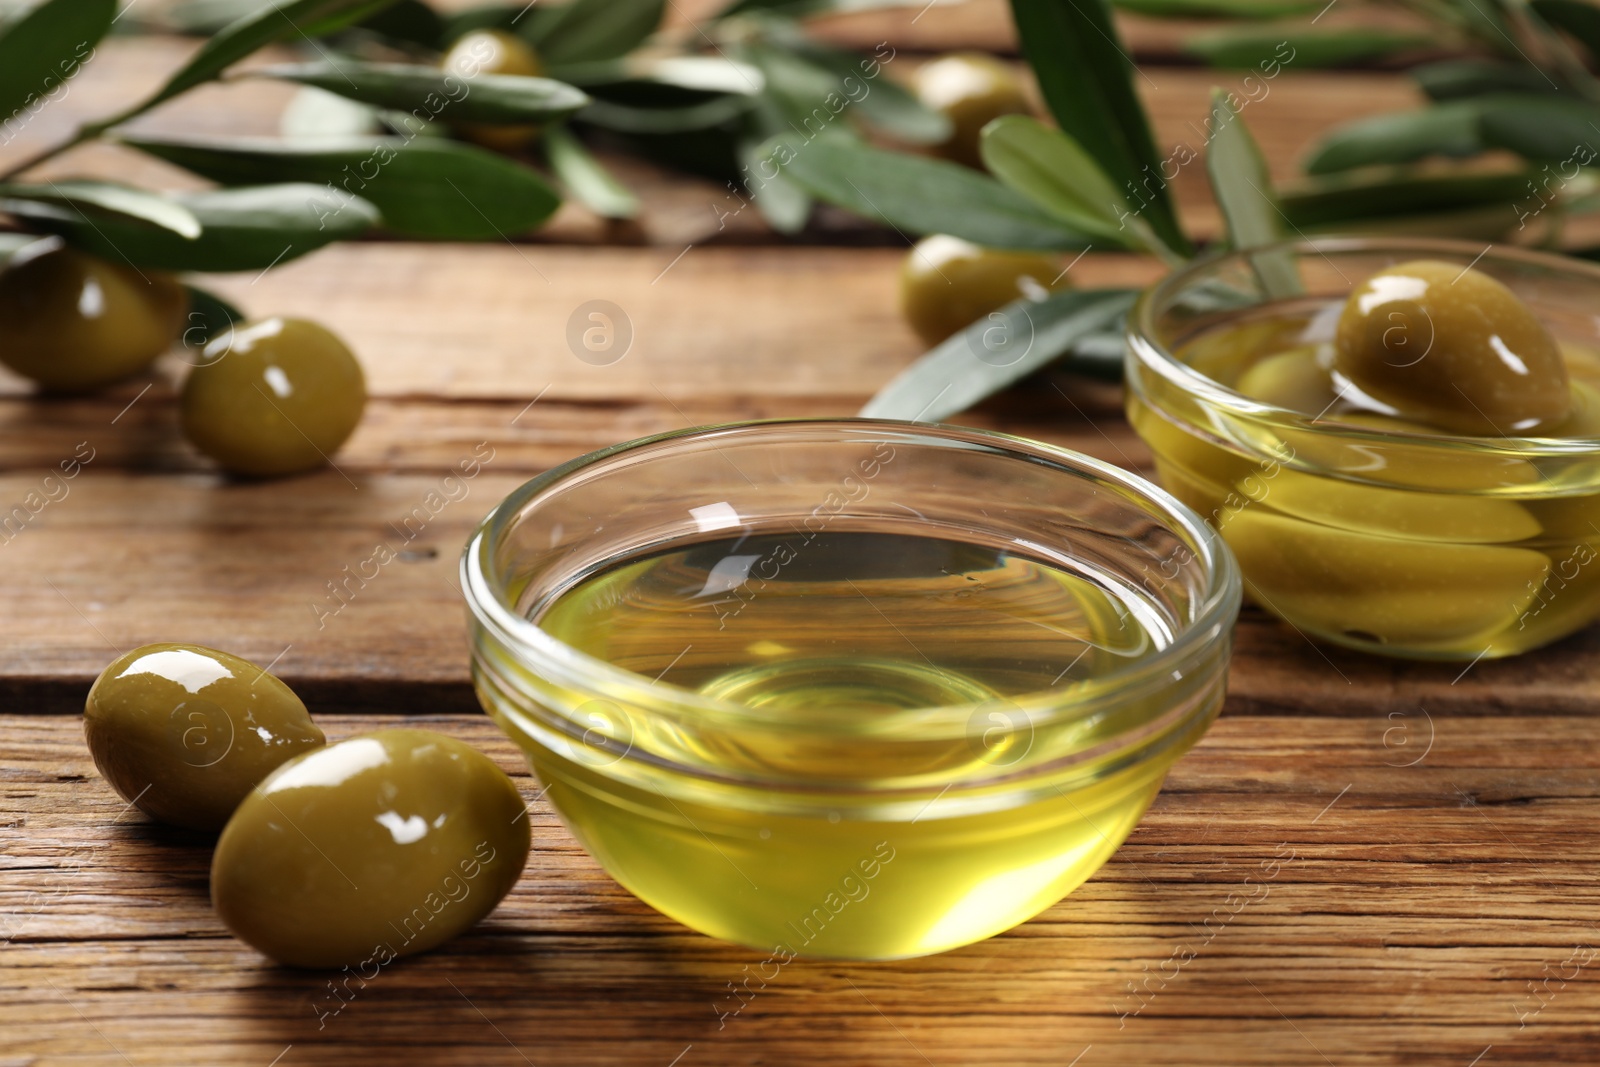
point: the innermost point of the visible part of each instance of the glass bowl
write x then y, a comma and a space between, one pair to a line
847, 757
1417, 545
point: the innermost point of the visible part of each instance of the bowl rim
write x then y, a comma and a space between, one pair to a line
1146, 350
1212, 620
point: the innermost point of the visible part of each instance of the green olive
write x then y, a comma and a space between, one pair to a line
75, 322
1452, 347
1379, 590
493, 52
1296, 380
185, 732
273, 397
971, 89
372, 848
947, 283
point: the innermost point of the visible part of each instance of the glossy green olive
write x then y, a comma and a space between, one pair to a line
493, 52
947, 283
970, 89
185, 732
75, 322
1452, 347
376, 847
273, 397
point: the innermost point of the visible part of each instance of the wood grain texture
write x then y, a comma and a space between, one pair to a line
1418, 915
1443, 881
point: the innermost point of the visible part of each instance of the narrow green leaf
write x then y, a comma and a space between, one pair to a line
241, 229
45, 46
276, 22
108, 197
797, 9
483, 17
785, 205
1459, 79
1579, 19
1541, 127
1444, 129
1052, 170
312, 113
429, 92
1249, 49
1243, 189
209, 316
709, 75
1087, 79
585, 178
1398, 196
426, 187
409, 22
917, 195
581, 31
880, 101
624, 118
995, 352
1221, 9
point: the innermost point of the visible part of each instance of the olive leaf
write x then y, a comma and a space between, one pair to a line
1243, 188
797, 9
209, 316
1227, 9
997, 351
409, 22
785, 205
917, 195
489, 98
583, 30
1579, 19
698, 75
1087, 80
1051, 169
881, 102
1445, 129
628, 118
45, 46
424, 187
1456, 79
1248, 49
1540, 127
585, 178
12, 243
312, 113
1399, 196
123, 200
249, 228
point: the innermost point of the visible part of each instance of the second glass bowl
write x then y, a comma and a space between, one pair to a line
848, 688
1405, 544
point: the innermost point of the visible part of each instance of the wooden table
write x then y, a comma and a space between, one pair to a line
1437, 899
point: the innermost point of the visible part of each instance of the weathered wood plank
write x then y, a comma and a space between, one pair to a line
1414, 919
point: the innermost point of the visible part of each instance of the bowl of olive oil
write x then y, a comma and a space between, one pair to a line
848, 688
1398, 438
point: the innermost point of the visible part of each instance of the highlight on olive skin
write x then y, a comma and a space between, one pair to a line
1454, 348
184, 732
377, 847
947, 283
273, 397
971, 89
74, 322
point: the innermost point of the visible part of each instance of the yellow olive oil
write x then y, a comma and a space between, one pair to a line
839, 646
1451, 553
